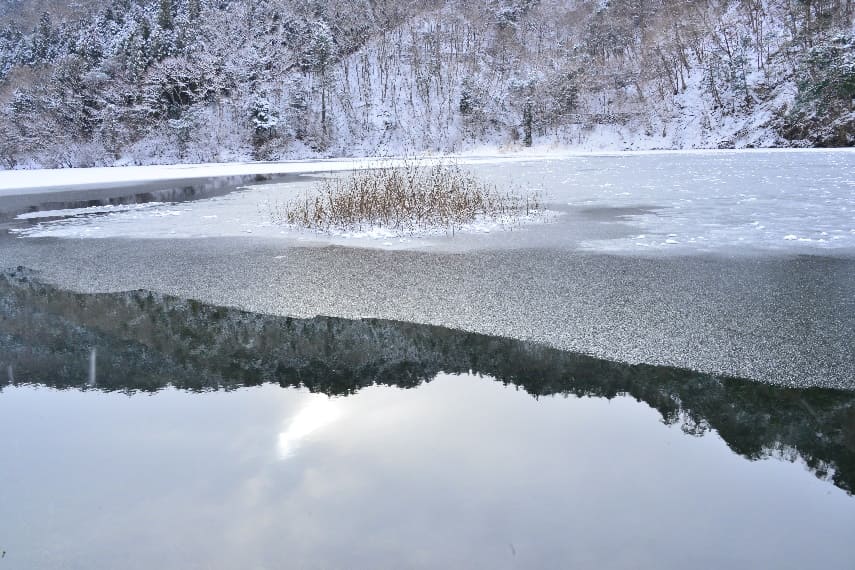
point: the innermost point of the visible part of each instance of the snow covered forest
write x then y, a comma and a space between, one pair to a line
105, 82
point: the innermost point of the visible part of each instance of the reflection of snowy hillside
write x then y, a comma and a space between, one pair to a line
143, 341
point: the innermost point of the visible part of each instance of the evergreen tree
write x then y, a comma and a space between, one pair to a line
164, 16
43, 39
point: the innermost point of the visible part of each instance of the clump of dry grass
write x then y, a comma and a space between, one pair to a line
408, 199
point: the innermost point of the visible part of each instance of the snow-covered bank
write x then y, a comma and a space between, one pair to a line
13, 182
51, 180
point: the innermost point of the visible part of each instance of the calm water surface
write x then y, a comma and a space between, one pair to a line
145, 431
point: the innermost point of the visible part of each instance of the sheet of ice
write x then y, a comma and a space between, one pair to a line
72, 212
680, 202
648, 203
249, 211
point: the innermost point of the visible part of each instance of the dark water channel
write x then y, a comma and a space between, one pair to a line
146, 431
112, 196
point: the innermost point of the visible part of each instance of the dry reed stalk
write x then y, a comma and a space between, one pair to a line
407, 199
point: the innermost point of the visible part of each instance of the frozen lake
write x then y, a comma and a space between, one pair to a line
658, 373
633, 203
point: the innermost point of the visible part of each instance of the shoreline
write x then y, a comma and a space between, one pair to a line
32, 181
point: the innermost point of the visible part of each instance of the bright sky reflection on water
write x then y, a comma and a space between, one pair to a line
317, 412
461, 472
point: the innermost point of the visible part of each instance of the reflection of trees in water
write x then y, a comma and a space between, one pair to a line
147, 341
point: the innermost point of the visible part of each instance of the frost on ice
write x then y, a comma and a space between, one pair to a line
668, 203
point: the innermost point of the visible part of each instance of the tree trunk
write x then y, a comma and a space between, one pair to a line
527, 119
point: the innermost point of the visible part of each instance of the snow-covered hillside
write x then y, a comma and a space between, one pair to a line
163, 81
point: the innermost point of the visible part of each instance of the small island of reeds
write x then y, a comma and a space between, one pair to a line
409, 199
